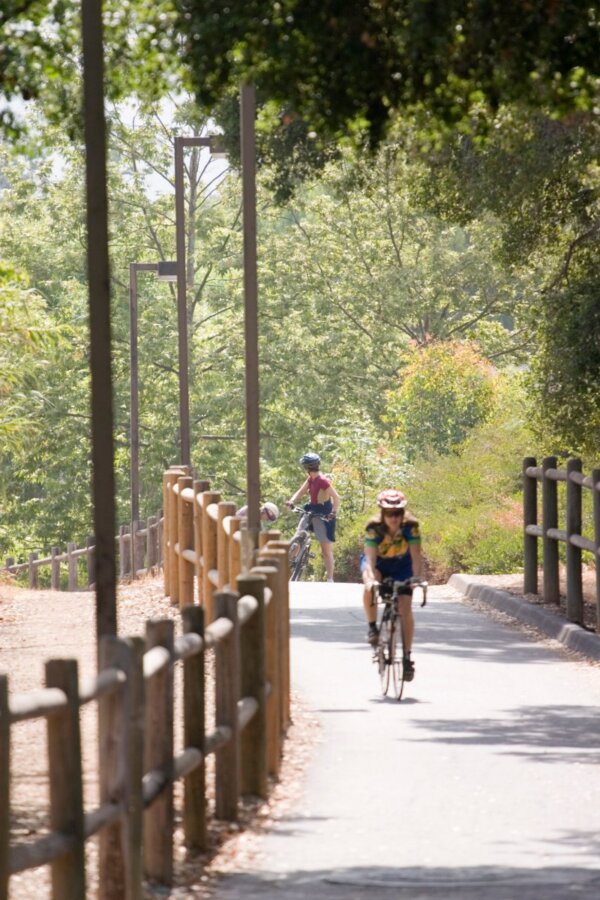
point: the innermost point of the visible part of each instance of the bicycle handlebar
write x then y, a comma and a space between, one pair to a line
408, 582
301, 511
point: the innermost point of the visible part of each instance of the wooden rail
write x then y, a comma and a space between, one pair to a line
139, 551
549, 476
137, 763
248, 631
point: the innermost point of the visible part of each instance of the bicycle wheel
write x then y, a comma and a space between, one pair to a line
383, 652
396, 652
301, 559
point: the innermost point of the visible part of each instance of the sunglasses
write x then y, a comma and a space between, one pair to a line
392, 512
270, 516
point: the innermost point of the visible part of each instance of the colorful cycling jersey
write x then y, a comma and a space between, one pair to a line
393, 553
318, 488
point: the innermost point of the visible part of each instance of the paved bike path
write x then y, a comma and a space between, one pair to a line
483, 782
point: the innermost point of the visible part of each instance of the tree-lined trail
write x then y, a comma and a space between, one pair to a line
482, 783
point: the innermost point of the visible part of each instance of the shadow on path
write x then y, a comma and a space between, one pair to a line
441, 628
417, 883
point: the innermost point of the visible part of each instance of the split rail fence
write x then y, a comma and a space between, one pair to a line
549, 476
248, 631
139, 548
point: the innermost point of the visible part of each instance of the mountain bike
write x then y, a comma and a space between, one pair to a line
390, 644
299, 549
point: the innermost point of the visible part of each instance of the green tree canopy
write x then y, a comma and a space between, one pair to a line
345, 67
446, 391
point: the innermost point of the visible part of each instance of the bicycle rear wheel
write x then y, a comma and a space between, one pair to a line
396, 653
300, 561
383, 653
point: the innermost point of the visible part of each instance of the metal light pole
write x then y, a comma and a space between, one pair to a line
247, 122
184, 392
166, 271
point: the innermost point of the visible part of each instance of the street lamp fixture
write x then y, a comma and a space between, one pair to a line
215, 146
166, 271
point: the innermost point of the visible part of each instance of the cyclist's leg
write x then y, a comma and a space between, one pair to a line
327, 553
369, 602
408, 621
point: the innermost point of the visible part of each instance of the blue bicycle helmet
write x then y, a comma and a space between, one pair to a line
310, 461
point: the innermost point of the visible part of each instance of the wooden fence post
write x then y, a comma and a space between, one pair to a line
134, 549
200, 487
281, 550
141, 545
152, 544
89, 558
596, 506
227, 680
223, 539
265, 536
112, 725
209, 552
160, 525
32, 571
530, 517
194, 809
4, 787
574, 522
66, 790
158, 754
235, 550
72, 566
253, 741
550, 520
55, 570
171, 578
185, 531
124, 551
121, 740
272, 678
135, 710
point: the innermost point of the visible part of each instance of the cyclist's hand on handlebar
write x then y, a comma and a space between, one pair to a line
289, 504
416, 579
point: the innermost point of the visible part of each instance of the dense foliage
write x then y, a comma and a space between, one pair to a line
392, 316
343, 67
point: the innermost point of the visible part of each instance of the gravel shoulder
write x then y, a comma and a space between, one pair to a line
38, 625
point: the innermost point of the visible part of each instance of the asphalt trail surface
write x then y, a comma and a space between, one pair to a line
483, 782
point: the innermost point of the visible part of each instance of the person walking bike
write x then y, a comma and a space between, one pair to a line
325, 502
392, 549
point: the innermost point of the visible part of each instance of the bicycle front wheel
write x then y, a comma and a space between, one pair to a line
383, 653
396, 652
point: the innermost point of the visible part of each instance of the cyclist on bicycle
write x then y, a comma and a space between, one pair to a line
392, 549
324, 501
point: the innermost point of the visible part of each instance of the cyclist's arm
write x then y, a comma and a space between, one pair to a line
416, 558
371, 563
335, 499
299, 493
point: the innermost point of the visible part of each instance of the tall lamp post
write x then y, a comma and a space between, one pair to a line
248, 148
212, 142
166, 271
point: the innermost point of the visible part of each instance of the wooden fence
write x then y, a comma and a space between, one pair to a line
139, 550
248, 629
549, 476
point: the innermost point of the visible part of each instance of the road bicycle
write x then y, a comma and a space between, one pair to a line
299, 549
390, 643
